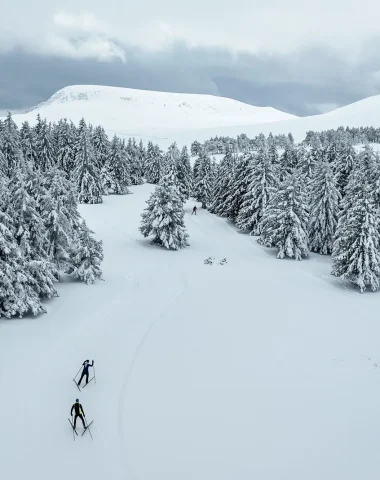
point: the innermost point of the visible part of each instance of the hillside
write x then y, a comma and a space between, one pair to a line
359, 114
260, 368
128, 111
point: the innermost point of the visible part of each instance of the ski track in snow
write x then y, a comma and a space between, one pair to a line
260, 368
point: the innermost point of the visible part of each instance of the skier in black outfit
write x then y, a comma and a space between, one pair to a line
194, 210
79, 412
86, 366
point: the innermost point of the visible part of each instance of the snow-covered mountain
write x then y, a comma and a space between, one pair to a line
125, 110
359, 114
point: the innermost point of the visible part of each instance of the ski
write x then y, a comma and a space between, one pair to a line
72, 426
76, 384
87, 428
88, 382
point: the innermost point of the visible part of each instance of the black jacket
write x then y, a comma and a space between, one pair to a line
77, 407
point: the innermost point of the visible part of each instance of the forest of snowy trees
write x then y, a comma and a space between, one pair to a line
322, 195
323, 198
243, 144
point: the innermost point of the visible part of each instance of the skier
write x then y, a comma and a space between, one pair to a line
194, 210
77, 407
86, 366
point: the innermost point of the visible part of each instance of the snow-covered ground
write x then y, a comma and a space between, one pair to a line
184, 118
260, 368
144, 113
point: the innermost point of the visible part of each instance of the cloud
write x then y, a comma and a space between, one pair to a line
309, 82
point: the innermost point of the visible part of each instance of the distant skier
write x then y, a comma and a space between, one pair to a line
86, 366
194, 210
79, 412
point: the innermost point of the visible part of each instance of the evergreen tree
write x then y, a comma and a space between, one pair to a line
28, 143
324, 209
344, 163
289, 159
65, 147
44, 147
11, 145
101, 146
153, 166
203, 182
164, 216
184, 173
18, 290
239, 188
223, 185
117, 168
87, 256
285, 220
356, 253
262, 178
86, 175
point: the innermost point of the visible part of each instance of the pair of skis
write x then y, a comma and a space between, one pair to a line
84, 431
78, 387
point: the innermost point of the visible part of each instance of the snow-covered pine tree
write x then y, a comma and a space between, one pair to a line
184, 174
164, 216
285, 220
136, 166
11, 145
289, 159
356, 252
142, 157
28, 143
223, 185
86, 174
30, 233
116, 169
262, 178
344, 163
87, 256
65, 147
203, 185
153, 166
44, 146
239, 187
101, 146
324, 209
18, 292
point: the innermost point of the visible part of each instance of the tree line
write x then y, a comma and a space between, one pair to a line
323, 198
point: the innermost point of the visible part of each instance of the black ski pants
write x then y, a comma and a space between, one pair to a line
75, 420
81, 378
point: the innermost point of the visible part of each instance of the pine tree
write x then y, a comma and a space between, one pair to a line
153, 166
203, 181
324, 209
285, 220
164, 216
136, 165
223, 185
18, 289
117, 168
86, 174
101, 146
289, 159
44, 147
239, 188
184, 173
262, 178
87, 256
11, 145
65, 147
356, 253
344, 163
28, 143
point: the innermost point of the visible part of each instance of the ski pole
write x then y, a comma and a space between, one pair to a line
78, 372
94, 373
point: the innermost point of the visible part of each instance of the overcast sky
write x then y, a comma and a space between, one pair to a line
301, 57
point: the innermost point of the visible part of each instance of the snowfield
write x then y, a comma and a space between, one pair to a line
259, 368
168, 117
143, 113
